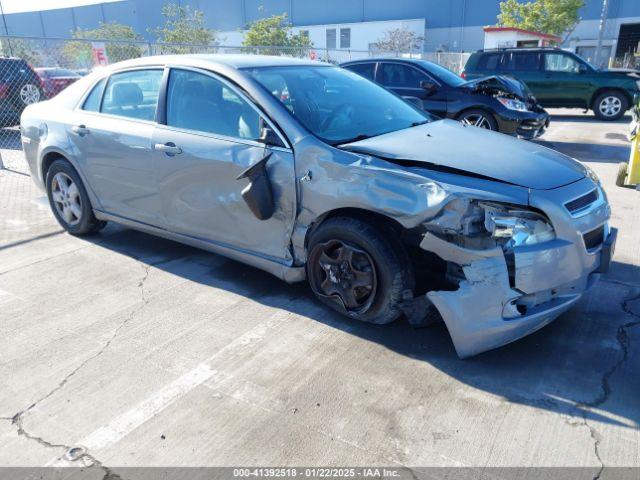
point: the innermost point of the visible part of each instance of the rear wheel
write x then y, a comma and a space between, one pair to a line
69, 200
479, 118
359, 270
610, 106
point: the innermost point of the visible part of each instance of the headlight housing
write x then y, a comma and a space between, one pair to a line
511, 226
513, 104
591, 174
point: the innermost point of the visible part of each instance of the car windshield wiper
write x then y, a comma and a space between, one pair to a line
357, 138
415, 124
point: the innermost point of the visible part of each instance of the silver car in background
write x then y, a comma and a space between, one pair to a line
310, 171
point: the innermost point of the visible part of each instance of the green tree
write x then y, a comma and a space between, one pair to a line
275, 31
183, 25
78, 54
547, 16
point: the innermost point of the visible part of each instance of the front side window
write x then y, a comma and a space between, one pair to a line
367, 70
337, 105
560, 62
401, 76
331, 38
92, 102
521, 61
199, 102
133, 94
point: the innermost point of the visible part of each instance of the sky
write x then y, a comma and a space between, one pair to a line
18, 6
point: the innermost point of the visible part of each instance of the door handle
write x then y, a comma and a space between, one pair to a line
169, 148
80, 130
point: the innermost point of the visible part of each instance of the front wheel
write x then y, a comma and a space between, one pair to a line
610, 106
69, 200
359, 270
479, 118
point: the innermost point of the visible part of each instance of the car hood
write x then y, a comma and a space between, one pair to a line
447, 144
497, 83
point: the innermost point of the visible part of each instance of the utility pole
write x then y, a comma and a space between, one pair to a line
603, 20
6, 30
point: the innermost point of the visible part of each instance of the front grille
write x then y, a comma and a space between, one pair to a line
594, 238
582, 202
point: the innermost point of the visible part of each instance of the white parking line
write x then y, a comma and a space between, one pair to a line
144, 411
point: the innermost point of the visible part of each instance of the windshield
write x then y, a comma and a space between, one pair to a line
444, 74
337, 105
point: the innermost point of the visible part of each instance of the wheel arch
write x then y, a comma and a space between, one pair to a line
602, 90
374, 219
50, 155
484, 108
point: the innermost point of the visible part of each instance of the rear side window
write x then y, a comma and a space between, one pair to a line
92, 102
367, 70
521, 61
400, 76
133, 94
490, 61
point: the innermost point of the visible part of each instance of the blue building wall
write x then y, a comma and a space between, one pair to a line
234, 14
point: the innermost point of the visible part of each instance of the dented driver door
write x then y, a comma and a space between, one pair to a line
209, 137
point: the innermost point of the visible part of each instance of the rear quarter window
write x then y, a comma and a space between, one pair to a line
92, 102
367, 70
489, 61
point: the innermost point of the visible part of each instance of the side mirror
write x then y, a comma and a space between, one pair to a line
269, 137
582, 68
428, 85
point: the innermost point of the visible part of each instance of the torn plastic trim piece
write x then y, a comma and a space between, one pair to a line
258, 195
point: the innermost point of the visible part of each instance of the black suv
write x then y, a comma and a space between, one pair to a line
495, 103
560, 79
20, 86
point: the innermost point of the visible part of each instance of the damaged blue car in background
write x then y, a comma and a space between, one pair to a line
309, 171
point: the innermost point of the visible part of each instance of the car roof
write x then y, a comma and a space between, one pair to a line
237, 61
521, 49
416, 61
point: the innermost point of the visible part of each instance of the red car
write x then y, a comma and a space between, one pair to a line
54, 79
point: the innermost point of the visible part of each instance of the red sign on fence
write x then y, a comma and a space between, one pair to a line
99, 52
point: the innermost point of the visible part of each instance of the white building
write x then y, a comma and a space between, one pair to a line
360, 36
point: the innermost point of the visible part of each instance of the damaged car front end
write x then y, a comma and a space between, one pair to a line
520, 246
516, 110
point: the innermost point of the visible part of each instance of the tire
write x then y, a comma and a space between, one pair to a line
376, 256
69, 201
479, 118
621, 177
610, 106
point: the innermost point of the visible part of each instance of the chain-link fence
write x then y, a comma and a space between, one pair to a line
33, 69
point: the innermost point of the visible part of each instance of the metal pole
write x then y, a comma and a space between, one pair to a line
603, 19
6, 30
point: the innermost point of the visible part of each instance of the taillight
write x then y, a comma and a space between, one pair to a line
464, 75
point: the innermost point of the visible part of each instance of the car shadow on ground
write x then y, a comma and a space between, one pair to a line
590, 152
586, 118
568, 367
10, 139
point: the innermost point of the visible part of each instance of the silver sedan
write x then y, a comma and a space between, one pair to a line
309, 171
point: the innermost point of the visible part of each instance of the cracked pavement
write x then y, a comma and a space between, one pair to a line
143, 352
